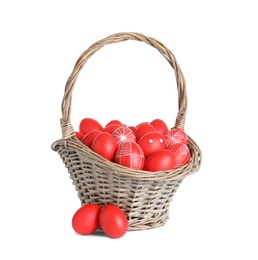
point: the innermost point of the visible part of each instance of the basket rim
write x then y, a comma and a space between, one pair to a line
75, 145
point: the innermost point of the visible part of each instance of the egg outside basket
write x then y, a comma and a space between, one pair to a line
144, 196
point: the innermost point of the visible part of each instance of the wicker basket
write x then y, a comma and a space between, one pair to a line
144, 196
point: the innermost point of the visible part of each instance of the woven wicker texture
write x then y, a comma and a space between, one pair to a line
144, 196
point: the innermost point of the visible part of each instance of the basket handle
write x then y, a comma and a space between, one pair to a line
67, 129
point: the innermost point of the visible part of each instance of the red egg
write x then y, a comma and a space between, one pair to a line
160, 161
113, 221
123, 133
117, 122
143, 129
175, 136
151, 142
111, 128
133, 128
85, 220
105, 145
79, 135
130, 154
181, 154
142, 123
159, 125
89, 124
89, 137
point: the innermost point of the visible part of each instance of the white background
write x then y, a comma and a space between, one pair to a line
214, 212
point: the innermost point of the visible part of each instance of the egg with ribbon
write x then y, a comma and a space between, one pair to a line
122, 134
175, 136
130, 154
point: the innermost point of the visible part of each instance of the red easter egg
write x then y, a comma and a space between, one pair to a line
79, 135
142, 123
151, 142
160, 161
89, 124
105, 145
89, 137
113, 221
143, 129
130, 154
111, 128
123, 133
159, 125
133, 128
181, 154
117, 122
85, 220
175, 136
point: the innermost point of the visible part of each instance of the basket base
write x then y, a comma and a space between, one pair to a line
138, 225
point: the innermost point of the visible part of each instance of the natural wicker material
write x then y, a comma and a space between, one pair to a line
144, 196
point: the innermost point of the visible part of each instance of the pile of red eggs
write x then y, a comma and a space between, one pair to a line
149, 146
110, 218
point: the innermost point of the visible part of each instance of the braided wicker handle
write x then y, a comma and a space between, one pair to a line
119, 37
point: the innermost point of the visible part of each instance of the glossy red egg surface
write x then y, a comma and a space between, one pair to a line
130, 154
175, 136
133, 128
143, 129
111, 128
160, 161
89, 124
117, 122
105, 145
85, 220
113, 221
79, 135
122, 134
142, 123
181, 154
159, 125
152, 142
89, 137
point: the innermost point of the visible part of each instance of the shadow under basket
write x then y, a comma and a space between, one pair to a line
144, 196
